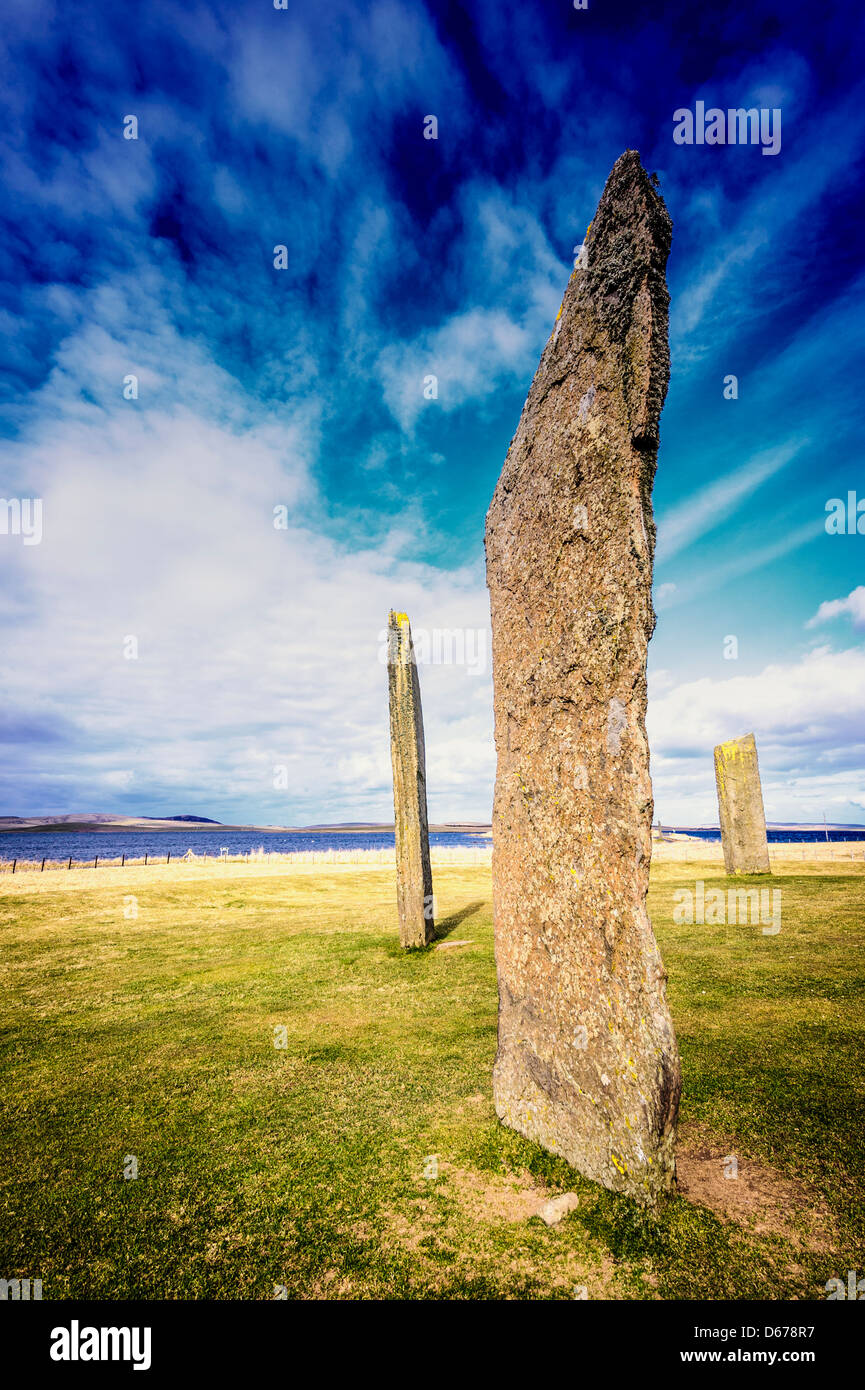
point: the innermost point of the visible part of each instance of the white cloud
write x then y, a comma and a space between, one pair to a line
257, 647
806, 716
469, 355
853, 605
299, 73
505, 258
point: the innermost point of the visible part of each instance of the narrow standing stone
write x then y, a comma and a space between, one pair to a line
411, 825
740, 807
587, 1061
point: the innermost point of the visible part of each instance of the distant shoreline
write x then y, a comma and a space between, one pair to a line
12, 826
111, 824
108, 825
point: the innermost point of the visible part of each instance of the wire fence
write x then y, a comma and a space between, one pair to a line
811, 851
663, 851
441, 856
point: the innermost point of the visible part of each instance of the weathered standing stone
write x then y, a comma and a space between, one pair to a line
411, 825
587, 1061
740, 807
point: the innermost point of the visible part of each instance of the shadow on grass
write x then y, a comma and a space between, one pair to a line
443, 929
449, 924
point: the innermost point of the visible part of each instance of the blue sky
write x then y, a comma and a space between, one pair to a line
258, 646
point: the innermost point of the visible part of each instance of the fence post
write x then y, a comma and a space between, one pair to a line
69, 865
168, 860
145, 859
96, 861
42, 870
123, 861
14, 862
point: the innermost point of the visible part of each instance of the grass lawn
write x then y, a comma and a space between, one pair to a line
310, 1166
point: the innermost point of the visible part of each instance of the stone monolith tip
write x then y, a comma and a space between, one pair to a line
740, 807
587, 1062
411, 825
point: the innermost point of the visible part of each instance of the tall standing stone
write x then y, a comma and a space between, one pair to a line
587, 1062
740, 807
411, 825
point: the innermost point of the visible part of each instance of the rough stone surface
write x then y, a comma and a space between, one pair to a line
740, 807
413, 872
587, 1062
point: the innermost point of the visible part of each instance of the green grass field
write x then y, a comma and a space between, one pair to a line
310, 1166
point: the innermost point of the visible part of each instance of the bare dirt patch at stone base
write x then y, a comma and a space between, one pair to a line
760, 1198
480, 1196
485, 1197
491, 1204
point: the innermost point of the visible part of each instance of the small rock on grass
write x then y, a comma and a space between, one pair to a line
553, 1211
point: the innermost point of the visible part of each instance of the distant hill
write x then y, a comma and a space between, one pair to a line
100, 820
199, 820
388, 825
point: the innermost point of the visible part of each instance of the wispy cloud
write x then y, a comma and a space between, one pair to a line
498, 338
815, 158
749, 558
709, 508
303, 387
